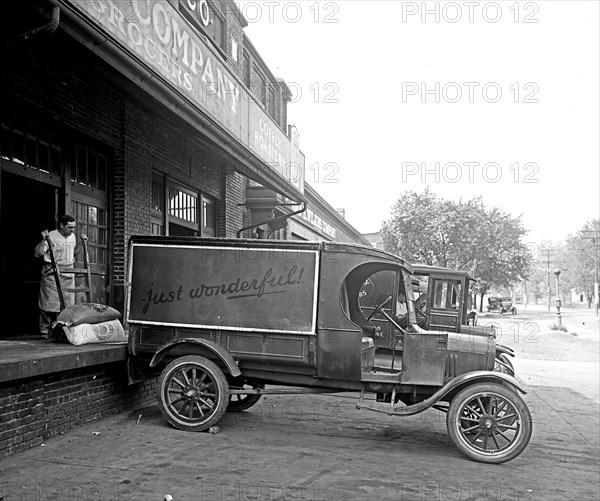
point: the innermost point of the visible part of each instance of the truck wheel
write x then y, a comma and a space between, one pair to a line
192, 393
489, 422
239, 403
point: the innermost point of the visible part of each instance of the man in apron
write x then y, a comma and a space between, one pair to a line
65, 248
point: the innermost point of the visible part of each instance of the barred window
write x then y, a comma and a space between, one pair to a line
183, 215
31, 146
90, 169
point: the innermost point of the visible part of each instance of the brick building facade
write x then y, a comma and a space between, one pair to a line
135, 118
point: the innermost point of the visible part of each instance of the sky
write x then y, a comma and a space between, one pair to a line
498, 99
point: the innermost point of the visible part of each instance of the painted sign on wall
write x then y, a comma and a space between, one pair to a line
158, 35
271, 144
319, 222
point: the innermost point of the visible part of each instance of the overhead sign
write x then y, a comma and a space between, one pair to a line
158, 35
170, 46
319, 222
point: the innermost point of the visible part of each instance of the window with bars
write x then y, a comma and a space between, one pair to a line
176, 209
90, 168
31, 146
183, 205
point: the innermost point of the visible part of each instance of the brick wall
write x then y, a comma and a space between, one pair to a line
234, 32
59, 83
231, 214
32, 410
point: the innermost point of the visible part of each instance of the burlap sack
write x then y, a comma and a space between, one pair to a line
104, 332
87, 313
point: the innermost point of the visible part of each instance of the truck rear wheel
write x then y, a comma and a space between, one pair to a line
238, 402
193, 393
489, 422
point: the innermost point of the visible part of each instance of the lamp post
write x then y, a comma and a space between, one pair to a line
559, 320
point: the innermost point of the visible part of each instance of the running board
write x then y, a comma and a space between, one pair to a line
392, 409
408, 410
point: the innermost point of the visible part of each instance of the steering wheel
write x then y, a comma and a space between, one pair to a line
379, 307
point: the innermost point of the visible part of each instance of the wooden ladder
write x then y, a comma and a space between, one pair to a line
86, 272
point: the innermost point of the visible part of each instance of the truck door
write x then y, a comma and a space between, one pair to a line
374, 291
444, 300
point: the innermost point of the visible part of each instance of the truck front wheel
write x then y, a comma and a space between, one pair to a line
193, 393
489, 422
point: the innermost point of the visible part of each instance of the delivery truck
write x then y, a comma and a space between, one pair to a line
222, 322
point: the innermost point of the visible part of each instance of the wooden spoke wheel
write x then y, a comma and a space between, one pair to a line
489, 422
193, 393
239, 403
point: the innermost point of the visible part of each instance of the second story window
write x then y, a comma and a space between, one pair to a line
180, 210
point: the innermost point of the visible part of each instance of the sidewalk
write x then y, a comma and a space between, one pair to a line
24, 358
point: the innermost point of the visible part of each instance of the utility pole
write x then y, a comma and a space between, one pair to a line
548, 251
594, 240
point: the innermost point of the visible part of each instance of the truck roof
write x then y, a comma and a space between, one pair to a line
426, 269
332, 247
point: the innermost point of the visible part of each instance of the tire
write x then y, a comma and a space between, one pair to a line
239, 403
498, 434
192, 393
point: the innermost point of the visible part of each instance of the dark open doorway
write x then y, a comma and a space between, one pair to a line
27, 208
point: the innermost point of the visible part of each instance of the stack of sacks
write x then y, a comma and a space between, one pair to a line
88, 323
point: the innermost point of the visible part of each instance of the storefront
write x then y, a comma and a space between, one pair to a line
134, 117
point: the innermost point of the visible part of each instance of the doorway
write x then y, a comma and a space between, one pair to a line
27, 207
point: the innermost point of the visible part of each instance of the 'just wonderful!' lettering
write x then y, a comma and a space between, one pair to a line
269, 283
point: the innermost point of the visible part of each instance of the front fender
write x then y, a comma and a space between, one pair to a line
481, 376
220, 352
454, 385
505, 349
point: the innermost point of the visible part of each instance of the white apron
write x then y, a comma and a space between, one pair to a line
64, 254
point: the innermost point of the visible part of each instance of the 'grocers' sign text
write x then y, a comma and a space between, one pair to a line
160, 37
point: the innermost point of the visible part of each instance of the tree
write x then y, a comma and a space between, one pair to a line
459, 235
579, 264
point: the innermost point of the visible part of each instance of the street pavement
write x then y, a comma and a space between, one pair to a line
320, 447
